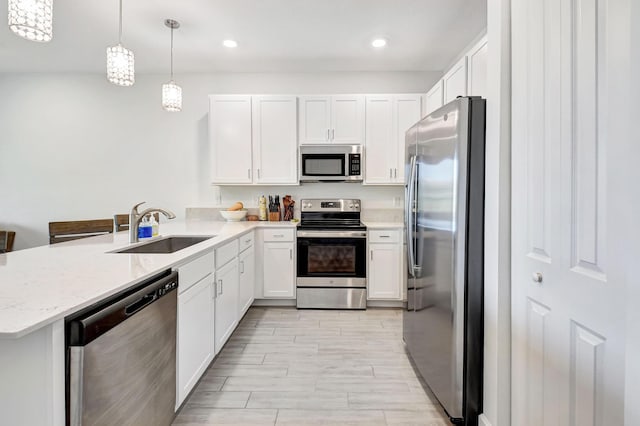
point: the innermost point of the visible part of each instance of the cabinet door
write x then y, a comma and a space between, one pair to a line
477, 61
279, 273
230, 139
347, 119
226, 306
195, 335
381, 148
407, 112
315, 119
434, 98
455, 81
246, 260
275, 140
384, 280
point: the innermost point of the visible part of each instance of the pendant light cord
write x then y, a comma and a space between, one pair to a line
120, 25
171, 52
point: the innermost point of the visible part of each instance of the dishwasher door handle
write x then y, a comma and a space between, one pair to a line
140, 303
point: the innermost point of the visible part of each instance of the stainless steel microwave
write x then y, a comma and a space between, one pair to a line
331, 163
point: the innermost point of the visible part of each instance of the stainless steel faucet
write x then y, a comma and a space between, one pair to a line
135, 217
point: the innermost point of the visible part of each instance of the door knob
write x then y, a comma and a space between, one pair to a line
536, 277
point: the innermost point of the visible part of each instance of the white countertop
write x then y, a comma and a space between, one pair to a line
383, 225
44, 284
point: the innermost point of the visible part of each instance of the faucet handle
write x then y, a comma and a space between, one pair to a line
134, 209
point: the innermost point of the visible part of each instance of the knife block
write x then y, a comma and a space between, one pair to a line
274, 216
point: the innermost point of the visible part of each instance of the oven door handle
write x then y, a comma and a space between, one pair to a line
332, 234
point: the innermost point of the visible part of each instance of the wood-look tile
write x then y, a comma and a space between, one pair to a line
261, 339
225, 417
362, 384
428, 417
308, 359
270, 384
239, 359
285, 323
253, 331
306, 331
334, 369
388, 400
298, 400
280, 348
333, 417
221, 399
210, 383
247, 371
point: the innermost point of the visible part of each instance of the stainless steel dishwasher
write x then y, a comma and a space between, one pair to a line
122, 358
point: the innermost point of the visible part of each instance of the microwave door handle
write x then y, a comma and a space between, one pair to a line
410, 195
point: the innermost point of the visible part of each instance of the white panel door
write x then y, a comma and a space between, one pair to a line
434, 98
314, 119
407, 112
381, 147
195, 335
246, 263
455, 81
275, 141
230, 139
384, 272
279, 271
226, 307
568, 282
477, 62
347, 119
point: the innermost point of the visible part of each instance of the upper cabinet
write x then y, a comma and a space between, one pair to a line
274, 140
434, 98
467, 77
455, 81
387, 119
230, 136
331, 119
253, 139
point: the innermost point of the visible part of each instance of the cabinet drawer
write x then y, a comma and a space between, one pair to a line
246, 241
226, 252
194, 271
384, 236
278, 235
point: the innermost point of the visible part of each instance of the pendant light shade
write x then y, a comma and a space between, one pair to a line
32, 19
120, 61
171, 92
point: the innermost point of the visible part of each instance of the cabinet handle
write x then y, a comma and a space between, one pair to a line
328, 134
371, 254
215, 290
220, 282
258, 173
247, 241
242, 266
390, 173
333, 134
290, 254
249, 173
395, 173
278, 235
385, 236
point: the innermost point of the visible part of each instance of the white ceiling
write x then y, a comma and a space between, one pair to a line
273, 35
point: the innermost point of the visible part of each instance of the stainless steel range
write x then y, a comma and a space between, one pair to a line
332, 264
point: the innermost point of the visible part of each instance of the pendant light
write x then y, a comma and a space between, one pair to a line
171, 92
120, 61
32, 19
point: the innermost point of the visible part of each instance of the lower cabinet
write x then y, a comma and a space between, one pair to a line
385, 265
246, 261
226, 302
195, 335
279, 264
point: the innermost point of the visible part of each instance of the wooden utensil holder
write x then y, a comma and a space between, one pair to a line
274, 216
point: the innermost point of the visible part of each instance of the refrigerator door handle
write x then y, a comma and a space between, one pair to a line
409, 218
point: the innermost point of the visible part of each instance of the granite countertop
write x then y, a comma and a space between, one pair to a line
44, 284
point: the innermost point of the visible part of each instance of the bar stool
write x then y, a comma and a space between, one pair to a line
6, 241
74, 230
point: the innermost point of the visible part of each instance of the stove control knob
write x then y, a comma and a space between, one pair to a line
351, 206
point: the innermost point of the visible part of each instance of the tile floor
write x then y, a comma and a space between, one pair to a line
287, 367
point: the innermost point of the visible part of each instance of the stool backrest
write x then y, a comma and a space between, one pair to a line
73, 230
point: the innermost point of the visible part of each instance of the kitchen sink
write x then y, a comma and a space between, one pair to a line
166, 244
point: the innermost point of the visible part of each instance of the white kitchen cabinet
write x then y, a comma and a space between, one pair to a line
274, 122
230, 137
477, 69
226, 302
195, 335
385, 265
278, 263
246, 261
387, 119
455, 81
434, 98
331, 119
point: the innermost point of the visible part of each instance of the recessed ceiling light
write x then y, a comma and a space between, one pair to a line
379, 42
230, 43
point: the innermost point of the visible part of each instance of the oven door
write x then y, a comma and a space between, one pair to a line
331, 259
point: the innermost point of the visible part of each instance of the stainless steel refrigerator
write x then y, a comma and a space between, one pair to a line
444, 219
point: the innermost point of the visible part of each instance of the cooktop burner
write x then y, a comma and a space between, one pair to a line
321, 214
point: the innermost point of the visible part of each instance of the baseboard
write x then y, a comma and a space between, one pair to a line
274, 302
483, 421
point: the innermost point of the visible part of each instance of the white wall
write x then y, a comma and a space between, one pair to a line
75, 147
